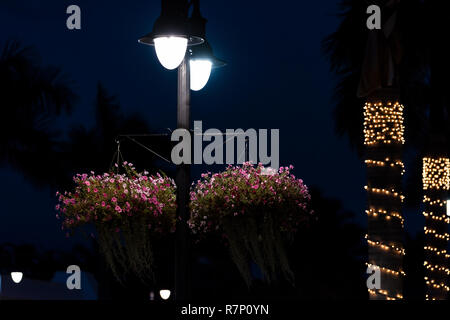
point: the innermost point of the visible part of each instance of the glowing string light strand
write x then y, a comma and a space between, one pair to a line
387, 215
433, 232
385, 293
387, 270
386, 247
386, 163
386, 192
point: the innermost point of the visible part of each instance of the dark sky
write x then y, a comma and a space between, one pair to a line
276, 77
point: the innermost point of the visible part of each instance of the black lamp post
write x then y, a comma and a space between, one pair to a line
172, 34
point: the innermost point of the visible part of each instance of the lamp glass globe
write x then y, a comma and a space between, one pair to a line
165, 294
170, 51
16, 276
200, 72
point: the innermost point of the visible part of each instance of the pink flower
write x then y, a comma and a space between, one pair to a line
118, 209
87, 183
114, 199
103, 203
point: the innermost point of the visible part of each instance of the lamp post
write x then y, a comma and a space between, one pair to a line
173, 32
182, 179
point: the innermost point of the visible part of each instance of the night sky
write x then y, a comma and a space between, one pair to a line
276, 77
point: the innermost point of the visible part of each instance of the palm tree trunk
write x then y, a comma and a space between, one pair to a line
383, 130
436, 180
436, 183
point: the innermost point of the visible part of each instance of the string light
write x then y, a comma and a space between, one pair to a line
387, 270
383, 123
385, 247
437, 202
432, 283
385, 293
388, 216
433, 232
437, 251
386, 163
436, 267
386, 192
442, 218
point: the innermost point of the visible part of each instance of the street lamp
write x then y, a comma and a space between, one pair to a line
172, 34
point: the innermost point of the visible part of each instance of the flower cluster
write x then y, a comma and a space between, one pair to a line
112, 199
248, 190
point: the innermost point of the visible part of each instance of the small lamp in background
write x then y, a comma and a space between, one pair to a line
16, 276
165, 294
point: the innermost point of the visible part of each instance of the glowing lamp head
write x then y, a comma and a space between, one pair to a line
202, 60
165, 294
170, 51
200, 71
16, 276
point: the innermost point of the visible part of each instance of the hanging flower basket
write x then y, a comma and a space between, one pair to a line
256, 210
128, 211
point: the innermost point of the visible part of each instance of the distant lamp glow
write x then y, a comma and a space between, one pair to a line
170, 51
448, 207
200, 72
165, 294
16, 276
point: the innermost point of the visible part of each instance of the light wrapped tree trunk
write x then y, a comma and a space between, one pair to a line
384, 139
436, 183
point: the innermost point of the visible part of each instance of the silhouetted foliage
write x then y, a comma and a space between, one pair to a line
345, 49
33, 95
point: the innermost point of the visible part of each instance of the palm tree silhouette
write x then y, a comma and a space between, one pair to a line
347, 52
32, 96
423, 85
